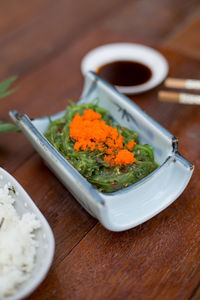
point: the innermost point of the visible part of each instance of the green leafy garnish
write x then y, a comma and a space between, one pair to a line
4, 91
6, 127
4, 86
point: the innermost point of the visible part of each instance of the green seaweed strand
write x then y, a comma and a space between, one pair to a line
91, 163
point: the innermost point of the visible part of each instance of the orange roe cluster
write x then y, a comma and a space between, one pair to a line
92, 133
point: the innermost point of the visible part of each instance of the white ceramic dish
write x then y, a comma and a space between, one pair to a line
141, 201
132, 52
44, 236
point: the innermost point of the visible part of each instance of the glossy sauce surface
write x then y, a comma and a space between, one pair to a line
125, 73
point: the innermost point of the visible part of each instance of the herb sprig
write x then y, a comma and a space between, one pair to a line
5, 91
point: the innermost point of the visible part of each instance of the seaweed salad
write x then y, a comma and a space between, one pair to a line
108, 155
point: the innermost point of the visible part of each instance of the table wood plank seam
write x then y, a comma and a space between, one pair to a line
22, 28
180, 51
195, 292
73, 248
39, 13
69, 39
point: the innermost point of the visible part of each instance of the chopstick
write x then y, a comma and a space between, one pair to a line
175, 97
178, 97
182, 83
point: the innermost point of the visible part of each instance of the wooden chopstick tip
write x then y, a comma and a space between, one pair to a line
166, 96
183, 98
179, 83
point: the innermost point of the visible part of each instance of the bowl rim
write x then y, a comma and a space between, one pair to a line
28, 286
98, 54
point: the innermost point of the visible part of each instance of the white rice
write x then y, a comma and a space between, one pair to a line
17, 244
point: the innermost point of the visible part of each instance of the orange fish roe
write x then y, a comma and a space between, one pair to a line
130, 145
92, 133
124, 157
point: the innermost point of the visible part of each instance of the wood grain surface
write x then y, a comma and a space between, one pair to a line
43, 43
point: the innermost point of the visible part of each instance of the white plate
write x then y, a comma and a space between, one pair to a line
44, 237
133, 52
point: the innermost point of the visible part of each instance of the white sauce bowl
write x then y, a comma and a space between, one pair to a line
128, 52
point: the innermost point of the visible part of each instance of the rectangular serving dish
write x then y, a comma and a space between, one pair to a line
133, 205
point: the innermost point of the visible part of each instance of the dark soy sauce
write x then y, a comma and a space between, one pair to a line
125, 73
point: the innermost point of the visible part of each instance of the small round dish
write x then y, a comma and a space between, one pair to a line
128, 52
44, 237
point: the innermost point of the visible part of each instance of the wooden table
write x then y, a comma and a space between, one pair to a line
43, 43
